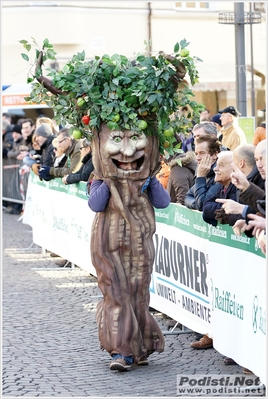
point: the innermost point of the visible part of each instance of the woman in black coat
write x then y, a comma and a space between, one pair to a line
84, 172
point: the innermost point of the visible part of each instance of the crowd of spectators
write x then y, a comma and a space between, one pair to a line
46, 149
228, 185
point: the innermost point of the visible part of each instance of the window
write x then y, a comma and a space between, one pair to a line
192, 5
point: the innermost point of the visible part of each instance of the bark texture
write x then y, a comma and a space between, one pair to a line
123, 253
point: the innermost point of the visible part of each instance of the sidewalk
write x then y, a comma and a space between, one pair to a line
50, 344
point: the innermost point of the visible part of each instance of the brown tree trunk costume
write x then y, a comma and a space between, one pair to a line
122, 252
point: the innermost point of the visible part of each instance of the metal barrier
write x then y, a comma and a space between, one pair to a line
14, 180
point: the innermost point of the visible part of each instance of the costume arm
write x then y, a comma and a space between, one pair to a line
99, 195
158, 196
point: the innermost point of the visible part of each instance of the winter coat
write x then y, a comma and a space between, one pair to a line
163, 174
15, 151
259, 134
210, 206
7, 141
73, 161
202, 187
233, 136
84, 172
251, 195
181, 177
47, 152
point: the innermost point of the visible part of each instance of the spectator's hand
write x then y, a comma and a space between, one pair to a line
64, 179
221, 216
21, 155
239, 179
262, 242
231, 206
204, 166
145, 185
239, 227
257, 222
35, 168
44, 172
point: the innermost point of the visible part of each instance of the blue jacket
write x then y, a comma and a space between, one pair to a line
100, 194
210, 206
203, 187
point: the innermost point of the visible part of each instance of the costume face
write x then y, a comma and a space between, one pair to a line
126, 154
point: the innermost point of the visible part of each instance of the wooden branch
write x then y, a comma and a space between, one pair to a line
180, 68
47, 83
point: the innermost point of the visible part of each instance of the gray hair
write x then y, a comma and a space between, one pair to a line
209, 127
86, 142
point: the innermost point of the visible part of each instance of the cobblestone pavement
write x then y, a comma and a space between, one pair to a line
50, 345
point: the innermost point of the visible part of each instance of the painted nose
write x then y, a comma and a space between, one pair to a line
128, 149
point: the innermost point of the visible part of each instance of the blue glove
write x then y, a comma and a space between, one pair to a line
44, 172
146, 184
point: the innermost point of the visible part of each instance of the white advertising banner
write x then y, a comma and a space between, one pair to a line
61, 220
204, 277
239, 306
180, 281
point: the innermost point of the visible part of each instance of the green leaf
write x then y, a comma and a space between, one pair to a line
25, 56
184, 43
176, 47
45, 43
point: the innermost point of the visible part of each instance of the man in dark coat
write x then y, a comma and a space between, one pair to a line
44, 137
207, 149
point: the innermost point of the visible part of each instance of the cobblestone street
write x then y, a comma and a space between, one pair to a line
50, 344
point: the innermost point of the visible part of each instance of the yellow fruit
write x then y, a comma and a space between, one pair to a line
166, 144
77, 134
169, 132
142, 125
184, 52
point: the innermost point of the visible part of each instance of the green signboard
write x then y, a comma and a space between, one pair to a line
247, 124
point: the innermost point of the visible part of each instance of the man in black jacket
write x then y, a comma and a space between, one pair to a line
44, 137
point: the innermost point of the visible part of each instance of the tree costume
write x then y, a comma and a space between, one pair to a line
132, 115
122, 247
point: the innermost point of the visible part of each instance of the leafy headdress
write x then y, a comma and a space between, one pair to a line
142, 94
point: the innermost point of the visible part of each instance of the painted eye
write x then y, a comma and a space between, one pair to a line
135, 137
117, 139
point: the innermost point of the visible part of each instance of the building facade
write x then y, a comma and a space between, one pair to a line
108, 27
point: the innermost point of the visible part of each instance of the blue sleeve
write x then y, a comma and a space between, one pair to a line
99, 196
210, 206
158, 196
189, 200
201, 191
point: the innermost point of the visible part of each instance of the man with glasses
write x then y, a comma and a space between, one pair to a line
71, 148
232, 134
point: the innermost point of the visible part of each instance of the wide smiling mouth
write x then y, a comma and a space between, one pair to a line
135, 164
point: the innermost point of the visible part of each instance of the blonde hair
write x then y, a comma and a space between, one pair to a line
44, 119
